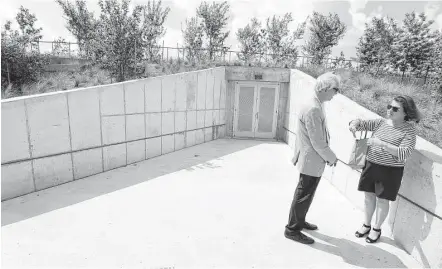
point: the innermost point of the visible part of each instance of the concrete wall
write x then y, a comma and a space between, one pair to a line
414, 220
55, 138
239, 73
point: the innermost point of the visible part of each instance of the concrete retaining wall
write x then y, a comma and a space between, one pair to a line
55, 138
415, 220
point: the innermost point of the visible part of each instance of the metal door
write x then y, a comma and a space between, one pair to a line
255, 113
245, 110
267, 111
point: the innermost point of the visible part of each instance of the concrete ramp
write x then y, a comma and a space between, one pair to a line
222, 204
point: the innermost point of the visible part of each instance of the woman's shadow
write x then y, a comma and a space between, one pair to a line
412, 225
355, 254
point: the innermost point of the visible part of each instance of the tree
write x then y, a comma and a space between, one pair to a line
81, 23
412, 50
214, 19
117, 34
434, 64
193, 35
26, 22
325, 32
152, 29
281, 44
375, 44
252, 41
20, 64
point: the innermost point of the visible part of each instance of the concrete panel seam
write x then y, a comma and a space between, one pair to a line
196, 103
161, 115
174, 116
213, 92
70, 136
101, 131
128, 114
28, 130
125, 118
145, 127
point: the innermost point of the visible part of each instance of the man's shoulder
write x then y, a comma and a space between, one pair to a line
310, 107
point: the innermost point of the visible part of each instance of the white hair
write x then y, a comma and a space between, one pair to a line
327, 80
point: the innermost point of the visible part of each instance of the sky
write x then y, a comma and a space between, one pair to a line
354, 13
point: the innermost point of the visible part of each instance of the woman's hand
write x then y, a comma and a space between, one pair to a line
352, 125
373, 141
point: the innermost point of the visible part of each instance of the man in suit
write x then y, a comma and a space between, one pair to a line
312, 152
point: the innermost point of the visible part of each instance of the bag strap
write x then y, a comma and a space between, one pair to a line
360, 137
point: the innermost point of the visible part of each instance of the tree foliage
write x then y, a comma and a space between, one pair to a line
275, 40
81, 23
193, 35
325, 32
118, 31
214, 19
374, 46
413, 47
152, 29
21, 61
120, 38
252, 41
280, 42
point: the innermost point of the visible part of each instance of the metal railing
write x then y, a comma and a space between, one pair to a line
165, 53
224, 56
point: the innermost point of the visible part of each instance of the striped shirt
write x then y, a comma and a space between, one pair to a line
403, 137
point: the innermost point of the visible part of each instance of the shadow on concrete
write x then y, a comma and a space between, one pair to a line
367, 256
192, 158
412, 224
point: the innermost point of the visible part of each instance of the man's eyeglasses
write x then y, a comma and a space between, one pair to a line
395, 108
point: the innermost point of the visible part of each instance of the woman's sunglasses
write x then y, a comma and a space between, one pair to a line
395, 108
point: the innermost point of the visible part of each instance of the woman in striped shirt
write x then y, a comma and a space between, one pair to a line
392, 142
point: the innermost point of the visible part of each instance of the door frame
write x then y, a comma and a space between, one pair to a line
236, 133
256, 85
272, 134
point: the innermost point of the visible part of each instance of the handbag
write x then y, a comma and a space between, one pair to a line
358, 152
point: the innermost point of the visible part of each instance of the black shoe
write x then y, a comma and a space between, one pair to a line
359, 235
300, 237
369, 240
310, 226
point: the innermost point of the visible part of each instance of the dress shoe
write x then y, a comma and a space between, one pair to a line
310, 226
299, 237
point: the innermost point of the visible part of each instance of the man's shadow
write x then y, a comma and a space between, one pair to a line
367, 256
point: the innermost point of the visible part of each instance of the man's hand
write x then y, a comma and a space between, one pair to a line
334, 163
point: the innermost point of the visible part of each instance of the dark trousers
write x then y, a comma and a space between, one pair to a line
301, 202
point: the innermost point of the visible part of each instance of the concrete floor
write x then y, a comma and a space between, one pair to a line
222, 204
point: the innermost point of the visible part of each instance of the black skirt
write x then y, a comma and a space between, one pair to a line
382, 180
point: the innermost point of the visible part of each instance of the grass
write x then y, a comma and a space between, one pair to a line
373, 93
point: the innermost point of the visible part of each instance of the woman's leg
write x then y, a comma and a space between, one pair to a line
382, 208
369, 208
